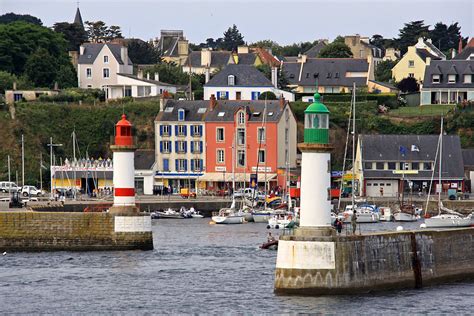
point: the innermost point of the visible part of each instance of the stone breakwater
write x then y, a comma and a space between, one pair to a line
55, 231
325, 265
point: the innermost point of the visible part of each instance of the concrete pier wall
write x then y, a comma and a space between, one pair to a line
352, 264
54, 231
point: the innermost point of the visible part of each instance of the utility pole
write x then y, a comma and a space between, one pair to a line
22, 160
9, 178
41, 171
51, 162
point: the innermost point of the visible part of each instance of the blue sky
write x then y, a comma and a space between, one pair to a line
283, 21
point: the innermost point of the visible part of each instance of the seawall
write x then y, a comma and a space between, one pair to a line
56, 231
309, 265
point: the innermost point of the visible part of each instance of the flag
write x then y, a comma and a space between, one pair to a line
403, 150
415, 148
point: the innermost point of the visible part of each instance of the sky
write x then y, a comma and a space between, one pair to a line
285, 22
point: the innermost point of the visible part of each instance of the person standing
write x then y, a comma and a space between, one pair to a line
354, 222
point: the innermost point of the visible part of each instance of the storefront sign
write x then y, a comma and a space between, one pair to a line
220, 169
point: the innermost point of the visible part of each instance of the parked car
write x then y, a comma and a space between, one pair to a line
30, 190
249, 193
6, 186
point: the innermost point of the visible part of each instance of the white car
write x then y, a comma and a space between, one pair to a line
30, 190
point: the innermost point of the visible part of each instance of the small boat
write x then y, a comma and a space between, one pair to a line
228, 216
272, 245
405, 213
365, 214
281, 220
169, 213
194, 213
262, 216
385, 214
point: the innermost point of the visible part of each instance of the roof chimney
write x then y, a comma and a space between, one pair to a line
140, 74
206, 58
14, 85
157, 76
147, 76
56, 87
124, 55
282, 102
428, 61
81, 49
207, 75
212, 102
460, 45
275, 77
162, 103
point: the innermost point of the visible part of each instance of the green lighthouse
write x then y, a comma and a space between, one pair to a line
316, 122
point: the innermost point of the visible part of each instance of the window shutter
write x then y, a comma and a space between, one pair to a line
218, 95
192, 130
200, 130
200, 147
161, 130
192, 146
176, 148
227, 95
253, 95
192, 165
166, 164
177, 164
185, 165
176, 130
185, 130
161, 146
185, 147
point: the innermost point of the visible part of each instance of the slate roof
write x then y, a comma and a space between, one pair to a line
465, 54
423, 53
435, 49
319, 68
78, 18
386, 148
218, 59
245, 76
92, 50
246, 59
313, 52
148, 80
468, 158
445, 67
227, 107
144, 159
385, 84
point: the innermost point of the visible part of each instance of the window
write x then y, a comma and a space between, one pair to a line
182, 164
415, 166
89, 86
220, 156
436, 79
241, 118
221, 114
181, 115
106, 59
379, 166
391, 166
329, 75
467, 78
261, 135
231, 80
222, 95
336, 75
411, 63
220, 134
196, 130
287, 135
166, 164
17, 97
165, 146
411, 75
240, 136
196, 164
316, 121
261, 156
89, 73
196, 147
169, 109
181, 130
451, 78
181, 146
255, 95
106, 72
241, 158
166, 129
367, 165
427, 166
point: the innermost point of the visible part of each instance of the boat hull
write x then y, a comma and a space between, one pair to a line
236, 219
404, 217
446, 221
261, 218
362, 218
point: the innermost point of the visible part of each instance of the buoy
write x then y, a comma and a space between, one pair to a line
276, 226
268, 227
423, 225
5, 253
399, 228
212, 223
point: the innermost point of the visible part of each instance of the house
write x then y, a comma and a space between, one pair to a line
144, 171
391, 54
332, 75
138, 86
242, 82
238, 140
314, 51
12, 96
174, 47
467, 53
381, 87
413, 63
361, 48
180, 143
468, 159
448, 81
396, 162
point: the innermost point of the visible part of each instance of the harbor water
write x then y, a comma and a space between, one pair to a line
194, 268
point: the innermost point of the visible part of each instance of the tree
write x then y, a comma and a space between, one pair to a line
409, 34
41, 68
267, 71
232, 39
339, 39
335, 50
73, 33
114, 32
267, 95
446, 37
141, 52
66, 76
6, 81
383, 71
12, 17
408, 85
96, 31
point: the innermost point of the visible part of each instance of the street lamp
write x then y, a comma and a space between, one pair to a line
51, 145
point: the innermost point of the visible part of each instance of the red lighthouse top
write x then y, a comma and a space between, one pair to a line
123, 132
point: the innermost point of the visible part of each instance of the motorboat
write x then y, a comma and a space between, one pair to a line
169, 213
365, 214
271, 245
281, 220
194, 213
385, 214
185, 213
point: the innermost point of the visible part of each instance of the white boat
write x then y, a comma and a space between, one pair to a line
228, 216
281, 220
262, 216
364, 215
246, 212
194, 213
169, 213
385, 214
404, 217
448, 220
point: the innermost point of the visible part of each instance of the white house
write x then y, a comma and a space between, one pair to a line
242, 82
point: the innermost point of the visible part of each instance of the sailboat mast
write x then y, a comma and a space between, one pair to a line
353, 145
440, 165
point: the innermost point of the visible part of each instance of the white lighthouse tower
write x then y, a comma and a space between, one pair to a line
124, 169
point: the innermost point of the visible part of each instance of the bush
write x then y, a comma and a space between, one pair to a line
267, 95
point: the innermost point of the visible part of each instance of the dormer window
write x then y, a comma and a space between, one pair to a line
336, 75
181, 115
451, 78
436, 79
231, 80
106, 59
241, 118
467, 78
329, 75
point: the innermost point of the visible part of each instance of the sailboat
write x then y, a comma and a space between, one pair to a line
406, 211
449, 218
364, 214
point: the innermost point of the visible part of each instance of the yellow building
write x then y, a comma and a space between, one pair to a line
413, 63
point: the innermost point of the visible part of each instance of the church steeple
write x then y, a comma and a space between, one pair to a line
78, 18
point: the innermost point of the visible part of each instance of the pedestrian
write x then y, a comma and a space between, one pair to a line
338, 225
354, 222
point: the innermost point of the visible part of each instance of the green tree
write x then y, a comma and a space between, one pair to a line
73, 33
41, 68
446, 37
408, 85
12, 17
141, 52
339, 39
267, 95
335, 50
232, 39
409, 34
114, 32
6, 81
66, 76
96, 31
267, 71
383, 71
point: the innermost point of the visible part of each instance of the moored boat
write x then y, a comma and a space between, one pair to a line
448, 220
228, 216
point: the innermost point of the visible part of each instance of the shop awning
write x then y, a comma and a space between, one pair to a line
220, 176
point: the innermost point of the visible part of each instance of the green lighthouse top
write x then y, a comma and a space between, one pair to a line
316, 122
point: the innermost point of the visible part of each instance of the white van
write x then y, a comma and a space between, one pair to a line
6, 186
